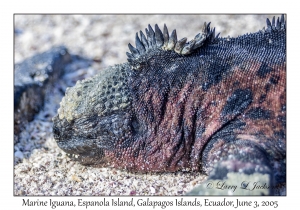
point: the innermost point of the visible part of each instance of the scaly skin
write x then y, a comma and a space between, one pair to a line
219, 107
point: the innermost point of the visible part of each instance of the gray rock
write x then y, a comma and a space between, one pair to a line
32, 78
19, 154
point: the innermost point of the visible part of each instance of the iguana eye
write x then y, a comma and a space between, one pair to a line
56, 131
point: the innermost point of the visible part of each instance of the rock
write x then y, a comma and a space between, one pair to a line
19, 154
32, 78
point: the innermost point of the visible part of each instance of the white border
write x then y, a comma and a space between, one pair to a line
153, 6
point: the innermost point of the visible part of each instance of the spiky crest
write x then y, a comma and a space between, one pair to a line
156, 39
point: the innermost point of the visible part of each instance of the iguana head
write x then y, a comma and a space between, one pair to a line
94, 115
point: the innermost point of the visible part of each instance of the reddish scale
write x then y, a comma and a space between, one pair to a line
258, 130
273, 103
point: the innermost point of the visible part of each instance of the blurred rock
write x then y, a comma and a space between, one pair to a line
32, 78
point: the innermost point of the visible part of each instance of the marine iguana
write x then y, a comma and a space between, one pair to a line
212, 104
